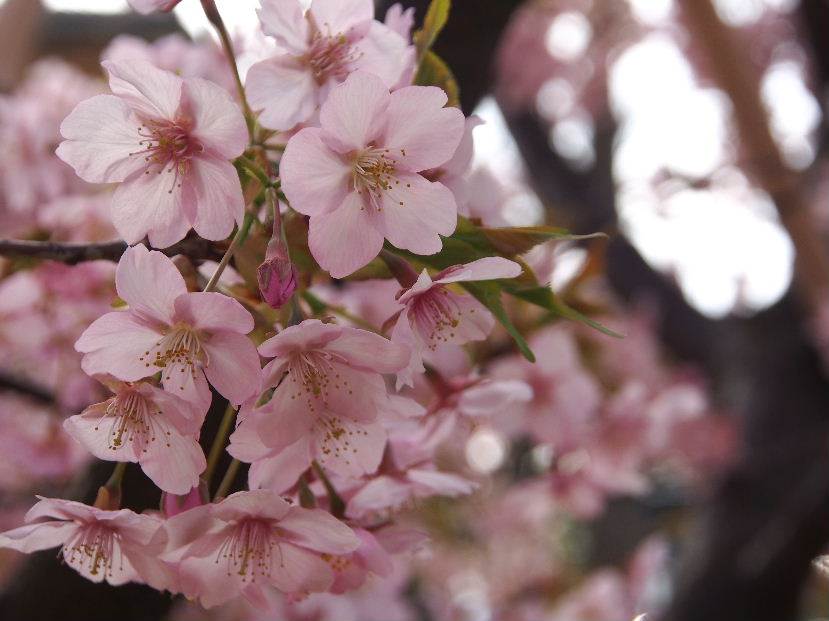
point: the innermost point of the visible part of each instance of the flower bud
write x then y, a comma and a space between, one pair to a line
173, 504
277, 279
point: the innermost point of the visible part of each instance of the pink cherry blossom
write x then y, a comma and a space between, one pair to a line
151, 6
186, 336
251, 542
144, 424
318, 49
167, 141
357, 177
111, 546
454, 173
432, 315
327, 406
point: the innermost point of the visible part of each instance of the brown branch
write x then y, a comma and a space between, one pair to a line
9, 381
72, 253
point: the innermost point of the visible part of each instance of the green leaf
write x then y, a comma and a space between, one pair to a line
433, 71
520, 239
436, 17
488, 293
546, 299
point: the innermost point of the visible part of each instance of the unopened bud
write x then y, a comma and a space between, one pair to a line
277, 279
173, 504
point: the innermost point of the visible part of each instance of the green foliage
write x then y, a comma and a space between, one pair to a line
471, 242
436, 17
433, 71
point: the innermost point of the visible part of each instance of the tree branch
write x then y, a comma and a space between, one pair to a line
72, 253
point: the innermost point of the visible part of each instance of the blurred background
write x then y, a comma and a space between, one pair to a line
693, 133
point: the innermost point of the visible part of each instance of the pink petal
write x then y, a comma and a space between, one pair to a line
295, 570
427, 209
245, 443
213, 311
346, 239
419, 125
384, 53
93, 430
219, 200
403, 334
219, 124
314, 178
369, 352
462, 158
318, 530
432, 482
188, 384
173, 461
101, 133
493, 397
351, 117
280, 471
116, 343
310, 334
380, 493
234, 369
284, 421
285, 91
149, 282
150, 204
284, 21
356, 452
257, 503
40, 536
488, 268
152, 92
340, 16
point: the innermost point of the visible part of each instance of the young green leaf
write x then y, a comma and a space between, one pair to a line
436, 17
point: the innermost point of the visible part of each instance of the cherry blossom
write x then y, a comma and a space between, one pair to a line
327, 405
183, 335
144, 424
111, 546
251, 541
357, 177
318, 49
167, 141
432, 315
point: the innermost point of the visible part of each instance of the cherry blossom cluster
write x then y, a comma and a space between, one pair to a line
340, 328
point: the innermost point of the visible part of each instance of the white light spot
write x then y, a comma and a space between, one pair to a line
795, 114
573, 139
651, 12
542, 456
86, 6
569, 35
485, 450
738, 13
555, 98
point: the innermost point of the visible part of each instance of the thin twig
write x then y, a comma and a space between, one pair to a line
219, 442
227, 480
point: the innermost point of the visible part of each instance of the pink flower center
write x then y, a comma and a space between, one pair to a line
167, 146
249, 549
436, 315
374, 173
94, 547
313, 374
134, 420
329, 56
334, 436
179, 350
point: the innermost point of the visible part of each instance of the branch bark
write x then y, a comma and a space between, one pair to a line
72, 253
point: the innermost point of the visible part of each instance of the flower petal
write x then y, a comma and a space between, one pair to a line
285, 22
218, 121
211, 311
340, 16
152, 92
173, 461
352, 116
101, 134
234, 368
150, 203
39, 536
488, 268
368, 351
346, 239
285, 91
280, 471
422, 128
218, 194
314, 178
318, 530
149, 282
116, 343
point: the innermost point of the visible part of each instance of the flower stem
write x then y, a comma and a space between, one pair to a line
254, 170
334, 499
109, 494
240, 236
219, 442
227, 480
215, 18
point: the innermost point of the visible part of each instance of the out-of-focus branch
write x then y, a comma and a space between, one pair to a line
73, 252
734, 72
23, 386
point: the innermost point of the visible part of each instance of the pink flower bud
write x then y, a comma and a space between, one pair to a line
173, 504
277, 280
